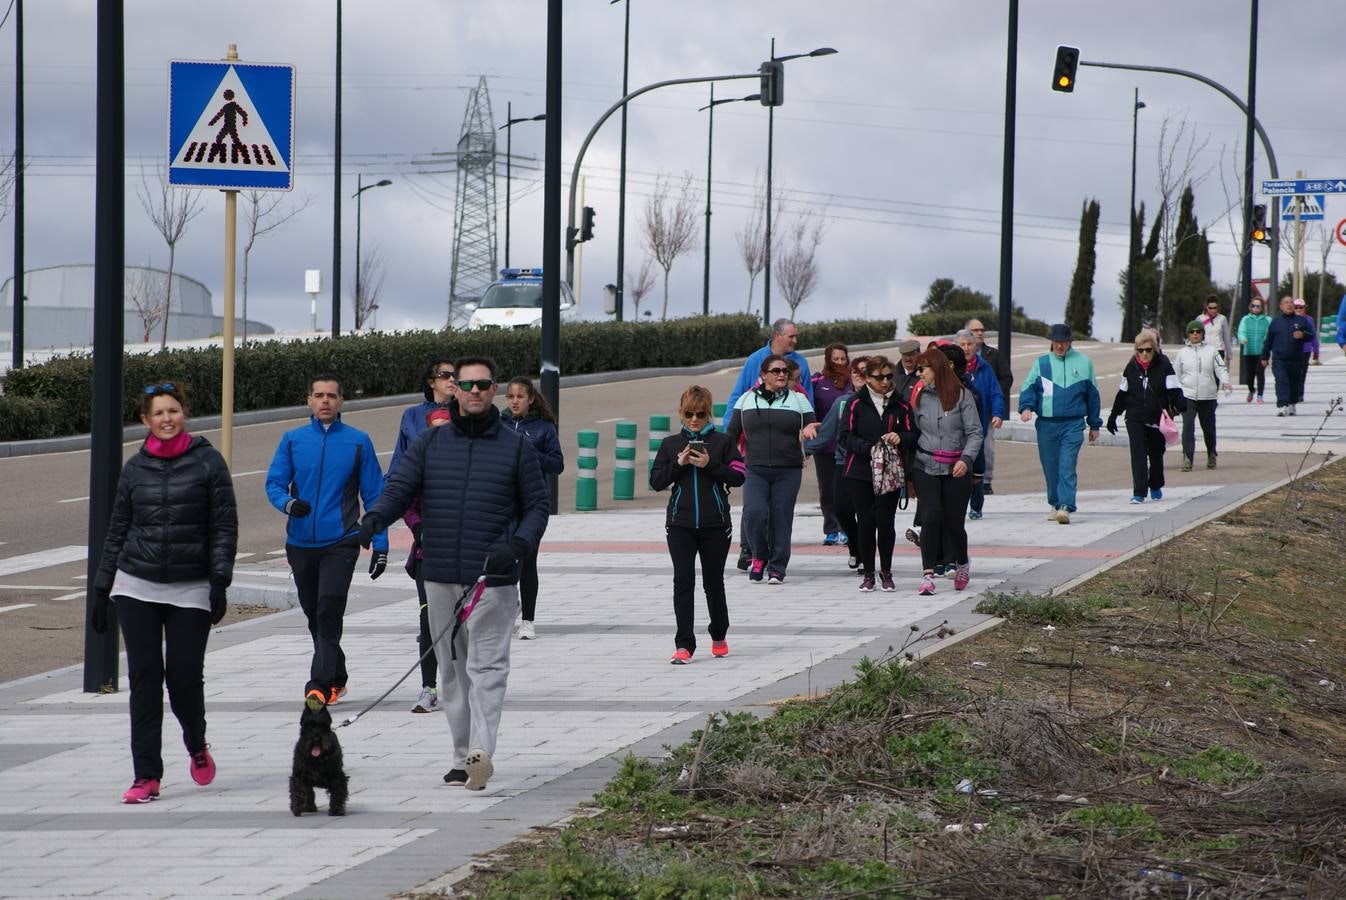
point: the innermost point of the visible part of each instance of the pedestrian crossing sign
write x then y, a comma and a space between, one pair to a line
231, 125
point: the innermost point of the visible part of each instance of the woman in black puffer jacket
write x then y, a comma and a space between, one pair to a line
1149, 386
167, 561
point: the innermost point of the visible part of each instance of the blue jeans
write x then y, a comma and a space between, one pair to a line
1286, 371
1059, 442
769, 494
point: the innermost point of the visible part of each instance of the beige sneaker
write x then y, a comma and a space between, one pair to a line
1051, 516
1063, 516
479, 770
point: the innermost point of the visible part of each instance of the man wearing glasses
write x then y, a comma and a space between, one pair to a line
316, 475
1000, 367
484, 506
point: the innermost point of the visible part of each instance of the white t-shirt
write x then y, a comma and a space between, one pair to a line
186, 594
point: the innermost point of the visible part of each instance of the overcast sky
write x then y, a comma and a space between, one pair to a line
896, 140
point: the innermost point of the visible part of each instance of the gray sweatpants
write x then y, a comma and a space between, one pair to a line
472, 687
988, 447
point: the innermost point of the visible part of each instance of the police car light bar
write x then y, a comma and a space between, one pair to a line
513, 272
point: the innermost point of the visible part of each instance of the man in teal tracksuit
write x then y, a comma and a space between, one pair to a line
1061, 390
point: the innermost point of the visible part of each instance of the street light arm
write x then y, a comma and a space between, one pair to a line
579, 157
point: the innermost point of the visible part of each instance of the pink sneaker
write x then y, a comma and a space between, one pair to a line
719, 648
142, 790
961, 576
203, 766
927, 585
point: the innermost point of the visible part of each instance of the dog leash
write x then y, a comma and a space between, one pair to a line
461, 610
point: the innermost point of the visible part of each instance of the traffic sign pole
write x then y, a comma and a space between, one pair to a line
227, 362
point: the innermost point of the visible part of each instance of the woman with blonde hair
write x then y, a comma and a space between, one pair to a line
1149, 387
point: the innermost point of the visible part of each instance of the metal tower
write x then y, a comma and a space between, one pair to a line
474, 259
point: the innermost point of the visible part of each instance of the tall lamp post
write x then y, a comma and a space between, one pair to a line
621, 179
336, 190
1129, 319
770, 139
360, 189
508, 128
710, 143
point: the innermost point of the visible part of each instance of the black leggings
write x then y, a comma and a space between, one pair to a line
1203, 410
944, 502
1253, 375
874, 524
425, 641
1147, 456
845, 510
684, 544
148, 630
322, 576
528, 585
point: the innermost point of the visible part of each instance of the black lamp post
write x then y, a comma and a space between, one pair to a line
1129, 319
508, 127
710, 143
336, 190
621, 180
360, 189
770, 139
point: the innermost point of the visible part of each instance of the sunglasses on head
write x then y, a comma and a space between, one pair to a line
480, 384
163, 387
447, 373
777, 371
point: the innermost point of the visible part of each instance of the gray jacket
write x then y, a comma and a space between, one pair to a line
957, 430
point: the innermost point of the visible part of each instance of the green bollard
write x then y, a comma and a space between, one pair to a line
717, 410
624, 474
586, 475
658, 431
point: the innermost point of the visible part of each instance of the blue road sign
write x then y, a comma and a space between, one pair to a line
1304, 186
1307, 208
231, 125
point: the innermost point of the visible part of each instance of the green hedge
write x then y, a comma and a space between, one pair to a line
949, 322
51, 399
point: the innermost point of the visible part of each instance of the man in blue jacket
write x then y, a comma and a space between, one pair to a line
318, 476
1061, 390
1284, 352
784, 338
484, 506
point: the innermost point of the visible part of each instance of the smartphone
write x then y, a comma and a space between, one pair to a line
697, 446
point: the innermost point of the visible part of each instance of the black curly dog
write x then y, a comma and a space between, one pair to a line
317, 763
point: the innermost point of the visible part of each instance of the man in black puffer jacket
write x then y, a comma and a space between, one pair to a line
484, 505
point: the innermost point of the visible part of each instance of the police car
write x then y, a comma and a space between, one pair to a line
515, 301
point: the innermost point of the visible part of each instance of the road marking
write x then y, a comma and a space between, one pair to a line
246, 474
73, 500
16, 606
34, 587
72, 596
238, 556
606, 421
42, 559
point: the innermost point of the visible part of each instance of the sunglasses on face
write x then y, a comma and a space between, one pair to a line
920, 368
1144, 349
1195, 331
447, 373
161, 388
697, 414
884, 376
777, 371
480, 384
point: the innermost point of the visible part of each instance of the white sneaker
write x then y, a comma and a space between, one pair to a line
479, 770
1063, 516
428, 701
1051, 516
525, 630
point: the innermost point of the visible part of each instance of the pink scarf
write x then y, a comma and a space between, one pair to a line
1144, 363
168, 449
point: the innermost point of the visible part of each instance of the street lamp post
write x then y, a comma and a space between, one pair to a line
336, 190
770, 141
621, 180
710, 143
1129, 319
360, 188
508, 127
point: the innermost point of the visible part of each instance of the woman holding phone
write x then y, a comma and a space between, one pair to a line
700, 464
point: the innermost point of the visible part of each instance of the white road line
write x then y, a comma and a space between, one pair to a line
42, 559
73, 500
72, 596
34, 587
607, 421
16, 606
238, 556
246, 474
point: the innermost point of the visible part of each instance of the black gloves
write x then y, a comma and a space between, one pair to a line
416, 532
297, 508
1112, 424
378, 561
101, 601
501, 565
218, 602
369, 526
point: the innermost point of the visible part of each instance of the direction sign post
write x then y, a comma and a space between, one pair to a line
1290, 187
230, 127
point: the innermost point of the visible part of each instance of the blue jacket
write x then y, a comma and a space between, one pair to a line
479, 485
825, 441
542, 435
752, 371
1281, 340
413, 423
332, 469
1062, 388
987, 388
1341, 322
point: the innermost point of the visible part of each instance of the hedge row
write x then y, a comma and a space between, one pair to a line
949, 322
47, 400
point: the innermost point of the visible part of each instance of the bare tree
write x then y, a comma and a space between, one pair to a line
1327, 238
751, 238
669, 229
171, 210
1178, 152
370, 280
640, 285
8, 175
262, 214
146, 296
796, 265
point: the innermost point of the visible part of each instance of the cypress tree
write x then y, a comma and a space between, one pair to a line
1080, 303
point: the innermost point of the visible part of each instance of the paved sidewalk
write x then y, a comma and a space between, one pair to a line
595, 685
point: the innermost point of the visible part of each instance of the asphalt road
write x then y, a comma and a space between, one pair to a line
45, 508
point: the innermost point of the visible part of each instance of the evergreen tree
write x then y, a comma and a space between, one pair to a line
1152, 245
1080, 303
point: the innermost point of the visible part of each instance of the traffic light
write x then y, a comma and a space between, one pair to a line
1067, 61
773, 83
1259, 224
587, 224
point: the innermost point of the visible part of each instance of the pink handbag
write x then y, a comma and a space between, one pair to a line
1168, 428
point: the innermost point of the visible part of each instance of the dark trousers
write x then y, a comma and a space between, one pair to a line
684, 545
1301, 377
1254, 376
825, 467
944, 502
164, 645
528, 585
874, 524
1196, 409
322, 576
845, 511
1147, 456
424, 639
769, 494
1285, 369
